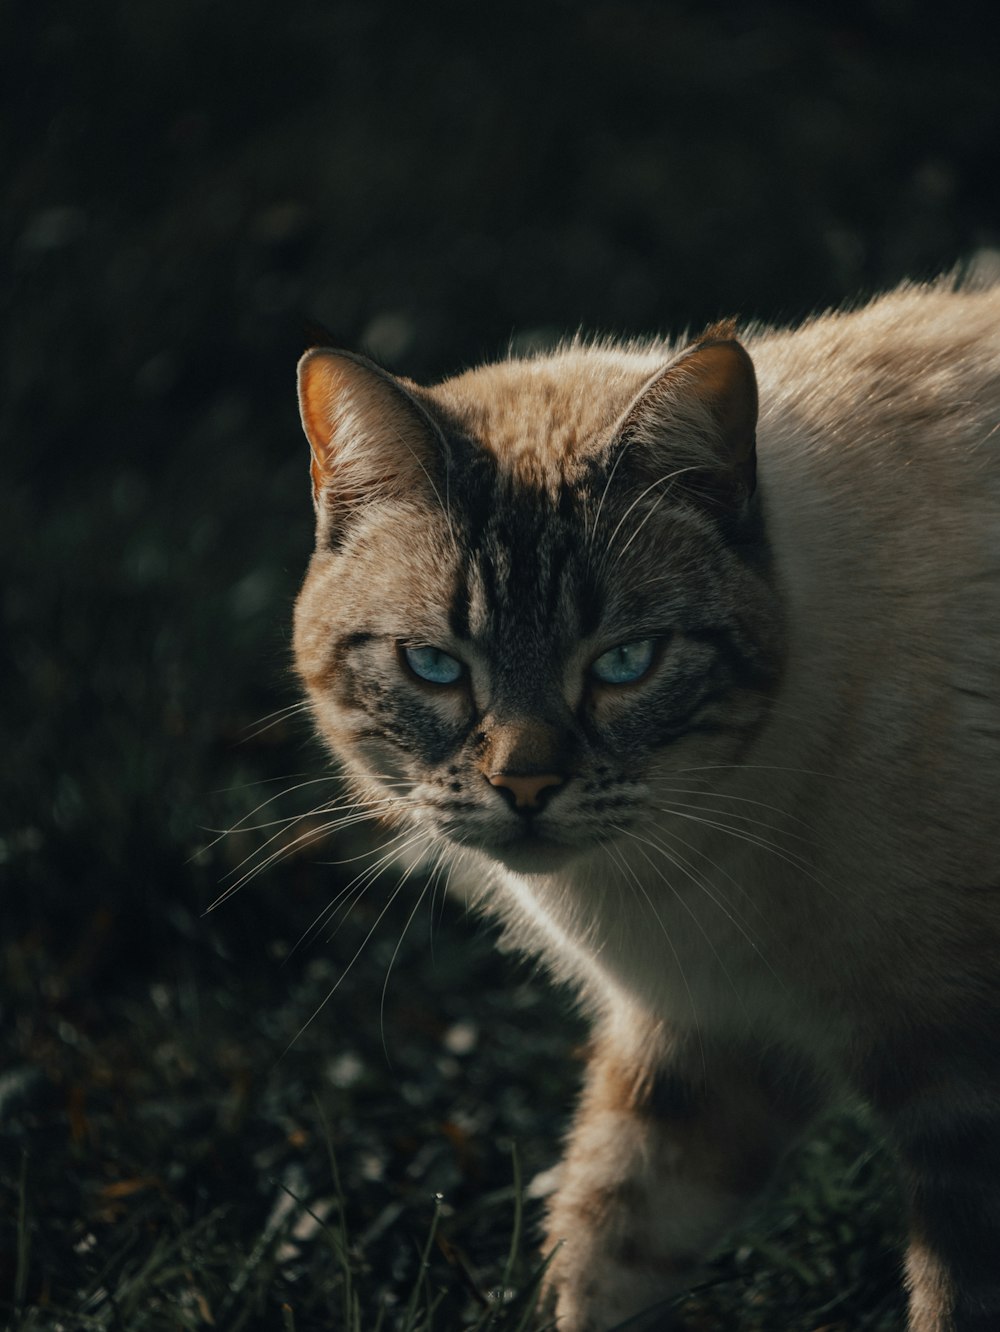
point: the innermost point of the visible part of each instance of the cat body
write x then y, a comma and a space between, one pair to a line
704, 703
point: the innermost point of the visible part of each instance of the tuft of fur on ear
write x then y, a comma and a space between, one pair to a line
370, 439
694, 422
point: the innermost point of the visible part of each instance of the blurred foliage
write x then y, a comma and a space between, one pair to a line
185, 186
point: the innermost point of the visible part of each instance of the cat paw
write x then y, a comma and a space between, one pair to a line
659, 1317
598, 1294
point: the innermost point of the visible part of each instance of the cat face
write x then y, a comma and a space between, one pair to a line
511, 648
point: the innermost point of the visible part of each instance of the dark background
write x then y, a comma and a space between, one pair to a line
185, 185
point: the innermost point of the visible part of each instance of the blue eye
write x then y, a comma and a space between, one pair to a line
432, 665
625, 663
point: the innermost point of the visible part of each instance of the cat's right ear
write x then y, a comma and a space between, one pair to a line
370, 438
694, 424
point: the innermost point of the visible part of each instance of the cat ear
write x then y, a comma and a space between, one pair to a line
694, 423
370, 438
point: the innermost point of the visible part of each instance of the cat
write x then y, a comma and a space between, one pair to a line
702, 700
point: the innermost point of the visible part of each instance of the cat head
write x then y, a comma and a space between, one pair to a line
539, 589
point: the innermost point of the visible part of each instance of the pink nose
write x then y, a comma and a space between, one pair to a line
525, 789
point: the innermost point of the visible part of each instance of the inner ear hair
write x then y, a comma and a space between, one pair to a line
370, 437
696, 420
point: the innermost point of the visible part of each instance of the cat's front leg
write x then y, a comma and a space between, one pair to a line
948, 1140
667, 1147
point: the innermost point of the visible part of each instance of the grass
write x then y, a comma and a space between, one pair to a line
290, 1241
177, 1169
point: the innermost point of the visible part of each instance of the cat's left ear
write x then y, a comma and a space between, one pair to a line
695, 422
370, 437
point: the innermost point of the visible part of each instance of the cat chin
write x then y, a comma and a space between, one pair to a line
533, 855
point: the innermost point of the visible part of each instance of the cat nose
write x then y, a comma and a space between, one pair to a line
526, 791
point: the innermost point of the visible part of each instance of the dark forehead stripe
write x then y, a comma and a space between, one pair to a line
472, 488
528, 561
553, 560
525, 542
458, 609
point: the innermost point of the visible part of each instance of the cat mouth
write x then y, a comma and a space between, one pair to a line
528, 850
526, 845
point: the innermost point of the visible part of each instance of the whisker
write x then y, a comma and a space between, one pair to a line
395, 953
604, 494
353, 891
439, 893
351, 810
351, 804
725, 795
269, 781
443, 503
361, 947
743, 818
653, 485
239, 824
741, 834
678, 897
615, 852
272, 719
797, 862
285, 820
720, 869
728, 909
287, 848
620, 555
760, 767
